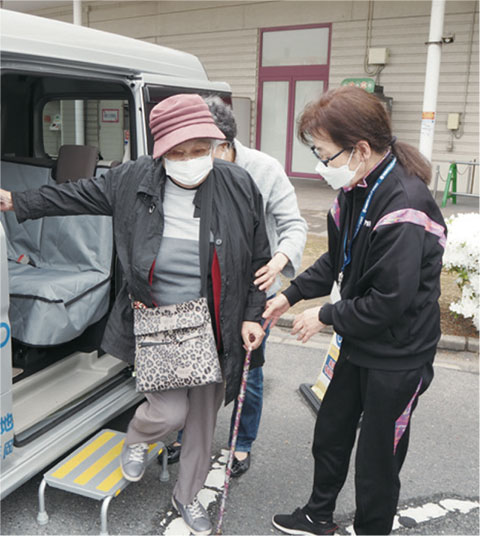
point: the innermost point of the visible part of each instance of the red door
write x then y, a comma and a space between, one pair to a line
294, 64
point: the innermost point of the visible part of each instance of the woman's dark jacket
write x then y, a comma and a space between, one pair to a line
132, 194
389, 315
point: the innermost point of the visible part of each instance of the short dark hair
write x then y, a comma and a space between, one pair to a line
349, 114
223, 116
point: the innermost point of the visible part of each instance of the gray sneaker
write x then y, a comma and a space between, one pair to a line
133, 461
194, 515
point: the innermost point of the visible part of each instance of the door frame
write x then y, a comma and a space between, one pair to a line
290, 74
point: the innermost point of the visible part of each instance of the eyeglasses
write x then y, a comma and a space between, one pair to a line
195, 152
325, 161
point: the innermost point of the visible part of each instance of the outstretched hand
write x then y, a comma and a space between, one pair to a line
266, 275
274, 310
5, 200
307, 324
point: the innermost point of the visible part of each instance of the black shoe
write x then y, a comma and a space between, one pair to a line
240, 466
173, 454
300, 523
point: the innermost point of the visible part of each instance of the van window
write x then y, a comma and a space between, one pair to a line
101, 123
41, 112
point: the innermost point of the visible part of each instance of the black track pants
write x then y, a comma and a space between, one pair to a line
387, 400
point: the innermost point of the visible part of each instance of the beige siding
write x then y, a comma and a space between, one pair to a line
67, 112
91, 122
229, 56
224, 35
51, 138
404, 76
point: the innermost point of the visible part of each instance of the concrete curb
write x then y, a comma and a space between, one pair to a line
452, 343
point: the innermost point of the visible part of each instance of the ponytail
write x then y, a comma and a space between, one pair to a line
413, 161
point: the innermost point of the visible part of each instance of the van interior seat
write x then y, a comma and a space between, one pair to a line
61, 285
75, 162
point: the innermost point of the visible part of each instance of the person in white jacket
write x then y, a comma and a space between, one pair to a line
287, 234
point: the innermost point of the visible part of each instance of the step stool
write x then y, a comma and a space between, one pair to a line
93, 471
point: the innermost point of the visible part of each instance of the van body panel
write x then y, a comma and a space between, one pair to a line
39, 395
7, 439
6, 404
191, 84
68, 43
5, 329
27, 461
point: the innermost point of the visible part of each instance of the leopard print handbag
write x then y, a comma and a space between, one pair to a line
174, 346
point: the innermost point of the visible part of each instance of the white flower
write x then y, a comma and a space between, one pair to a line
462, 255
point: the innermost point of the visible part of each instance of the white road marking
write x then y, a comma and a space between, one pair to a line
424, 512
177, 527
208, 495
173, 525
215, 478
462, 506
430, 510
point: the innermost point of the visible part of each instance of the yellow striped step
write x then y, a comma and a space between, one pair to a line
93, 470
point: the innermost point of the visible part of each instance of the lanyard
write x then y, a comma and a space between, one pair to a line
347, 249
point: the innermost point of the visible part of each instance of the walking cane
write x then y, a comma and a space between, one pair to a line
240, 399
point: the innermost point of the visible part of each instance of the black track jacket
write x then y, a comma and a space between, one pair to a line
389, 315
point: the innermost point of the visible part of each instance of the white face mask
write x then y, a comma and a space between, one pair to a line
189, 172
337, 177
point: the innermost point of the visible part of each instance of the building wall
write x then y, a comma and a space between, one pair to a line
224, 35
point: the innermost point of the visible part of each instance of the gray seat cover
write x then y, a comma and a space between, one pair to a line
68, 288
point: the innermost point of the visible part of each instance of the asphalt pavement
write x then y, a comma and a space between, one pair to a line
440, 478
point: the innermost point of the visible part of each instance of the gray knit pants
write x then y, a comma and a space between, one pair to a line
195, 410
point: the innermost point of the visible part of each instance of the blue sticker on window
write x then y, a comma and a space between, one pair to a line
4, 334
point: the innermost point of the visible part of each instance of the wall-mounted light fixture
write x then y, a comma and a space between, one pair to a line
448, 38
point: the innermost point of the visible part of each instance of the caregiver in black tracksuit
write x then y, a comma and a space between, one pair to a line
386, 237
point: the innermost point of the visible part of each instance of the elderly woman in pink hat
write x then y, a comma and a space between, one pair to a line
185, 226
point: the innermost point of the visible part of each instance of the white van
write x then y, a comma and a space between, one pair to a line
74, 101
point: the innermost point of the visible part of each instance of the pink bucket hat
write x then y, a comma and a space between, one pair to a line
181, 118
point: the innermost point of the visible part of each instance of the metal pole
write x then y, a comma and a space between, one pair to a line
77, 12
435, 187
431, 78
471, 177
42, 516
103, 515
79, 111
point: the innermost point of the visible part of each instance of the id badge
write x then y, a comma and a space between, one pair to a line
331, 357
328, 365
335, 293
